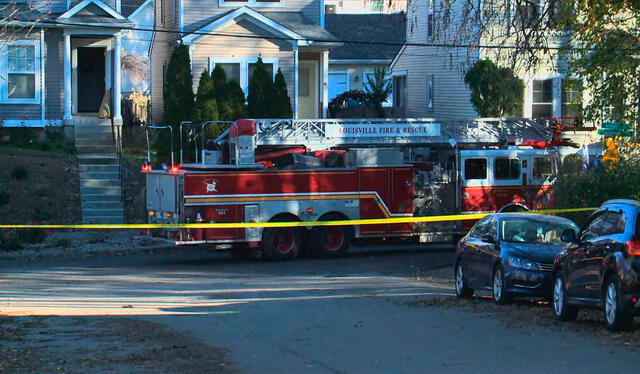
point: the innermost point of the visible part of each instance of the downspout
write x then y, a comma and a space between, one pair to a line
43, 89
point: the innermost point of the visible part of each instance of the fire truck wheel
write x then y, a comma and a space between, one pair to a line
330, 241
281, 243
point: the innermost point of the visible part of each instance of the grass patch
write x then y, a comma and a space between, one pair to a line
61, 243
33, 236
4, 198
19, 173
43, 214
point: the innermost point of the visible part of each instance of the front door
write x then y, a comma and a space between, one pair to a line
308, 99
91, 78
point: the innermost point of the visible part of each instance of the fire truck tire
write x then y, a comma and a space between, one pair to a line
330, 241
281, 243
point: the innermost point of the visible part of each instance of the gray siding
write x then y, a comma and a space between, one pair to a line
447, 65
198, 13
161, 48
53, 6
54, 74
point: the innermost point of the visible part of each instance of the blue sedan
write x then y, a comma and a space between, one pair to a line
509, 254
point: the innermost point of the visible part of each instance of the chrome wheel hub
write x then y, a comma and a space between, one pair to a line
459, 280
610, 303
497, 284
558, 294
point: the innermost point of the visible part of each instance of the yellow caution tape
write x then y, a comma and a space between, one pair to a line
140, 226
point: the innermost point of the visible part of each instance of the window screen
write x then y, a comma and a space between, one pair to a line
507, 168
475, 168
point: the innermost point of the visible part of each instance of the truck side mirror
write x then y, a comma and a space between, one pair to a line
568, 236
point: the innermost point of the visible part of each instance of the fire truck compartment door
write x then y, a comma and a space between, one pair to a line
161, 193
252, 214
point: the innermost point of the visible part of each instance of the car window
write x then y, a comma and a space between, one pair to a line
492, 228
614, 223
475, 168
543, 167
592, 230
506, 168
533, 230
480, 228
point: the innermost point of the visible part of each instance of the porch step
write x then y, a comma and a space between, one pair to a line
97, 205
99, 198
116, 213
98, 168
107, 182
101, 175
103, 190
94, 148
102, 220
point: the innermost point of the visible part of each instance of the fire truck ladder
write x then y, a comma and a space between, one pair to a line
321, 134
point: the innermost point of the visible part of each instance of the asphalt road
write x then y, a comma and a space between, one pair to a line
368, 313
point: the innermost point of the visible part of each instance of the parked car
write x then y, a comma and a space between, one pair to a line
510, 254
601, 268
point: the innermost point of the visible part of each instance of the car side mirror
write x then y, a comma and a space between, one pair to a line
488, 238
568, 236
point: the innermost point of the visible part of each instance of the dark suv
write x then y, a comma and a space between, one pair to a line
601, 266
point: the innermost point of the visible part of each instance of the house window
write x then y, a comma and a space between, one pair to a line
430, 18
232, 70
542, 104
572, 98
338, 83
528, 12
376, 5
240, 69
20, 66
251, 3
429, 92
399, 90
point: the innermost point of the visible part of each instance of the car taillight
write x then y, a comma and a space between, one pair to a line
633, 248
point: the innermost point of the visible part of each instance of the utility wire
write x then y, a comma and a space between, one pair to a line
345, 41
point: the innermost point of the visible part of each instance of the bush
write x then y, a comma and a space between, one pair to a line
378, 90
4, 197
61, 243
577, 188
10, 242
43, 214
495, 91
348, 99
32, 236
261, 92
19, 173
281, 102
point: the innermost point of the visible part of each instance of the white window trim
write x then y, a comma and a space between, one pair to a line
4, 73
244, 67
430, 92
430, 12
251, 3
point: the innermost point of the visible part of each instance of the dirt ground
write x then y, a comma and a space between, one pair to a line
50, 192
61, 345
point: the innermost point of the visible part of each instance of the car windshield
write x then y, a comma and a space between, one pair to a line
533, 231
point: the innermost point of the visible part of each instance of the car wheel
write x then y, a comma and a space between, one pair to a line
281, 243
561, 310
500, 295
462, 291
330, 241
616, 316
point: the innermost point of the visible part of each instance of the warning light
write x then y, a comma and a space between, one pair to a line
309, 210
152, 213
168, 215
174, 170
146, 167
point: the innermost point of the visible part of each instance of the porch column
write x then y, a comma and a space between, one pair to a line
67, 76
325, 84
117, 79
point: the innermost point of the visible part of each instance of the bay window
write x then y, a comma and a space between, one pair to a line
19, 72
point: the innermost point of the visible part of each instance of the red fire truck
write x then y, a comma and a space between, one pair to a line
321, 170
